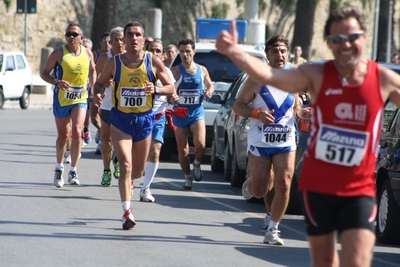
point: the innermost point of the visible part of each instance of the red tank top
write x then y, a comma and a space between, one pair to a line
343, 143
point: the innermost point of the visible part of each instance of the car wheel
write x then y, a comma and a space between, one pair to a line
237, 175
227, 164
295, 199
388, 216
1, 98
25, 99
217, 165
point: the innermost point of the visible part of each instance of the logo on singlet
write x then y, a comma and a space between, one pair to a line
331, 91
343, 137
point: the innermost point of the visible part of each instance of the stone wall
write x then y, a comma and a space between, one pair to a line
46, 28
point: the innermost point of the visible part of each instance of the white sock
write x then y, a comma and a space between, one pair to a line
72, 169
149, 172
195, 162
272, 225
59, 166
126, 205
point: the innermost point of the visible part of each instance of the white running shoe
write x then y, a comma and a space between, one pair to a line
188, 183
198, 175
73, 178
97, 137
267, 219
272, 237
98, 148
245, 190
58, 178
67, 156
146, 196
128, 221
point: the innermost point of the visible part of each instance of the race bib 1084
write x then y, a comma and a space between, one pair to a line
341, 146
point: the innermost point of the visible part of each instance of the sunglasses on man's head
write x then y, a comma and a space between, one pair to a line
341, 38
74, 34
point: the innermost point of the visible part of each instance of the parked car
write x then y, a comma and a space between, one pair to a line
388, 178
15, 78
222, 72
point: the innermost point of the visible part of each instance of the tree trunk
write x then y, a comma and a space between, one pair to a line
383, 31
103, 20
304, 26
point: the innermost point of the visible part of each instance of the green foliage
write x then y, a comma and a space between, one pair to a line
262, 5
283, 4
239, 3
7, 3
219, 11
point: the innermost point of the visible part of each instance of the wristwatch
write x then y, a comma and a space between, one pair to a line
56, 82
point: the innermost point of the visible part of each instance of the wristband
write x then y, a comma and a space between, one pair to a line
255, 112
56, 82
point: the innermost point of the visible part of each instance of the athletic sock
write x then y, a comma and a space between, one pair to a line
126, 205
273, 225
149, 172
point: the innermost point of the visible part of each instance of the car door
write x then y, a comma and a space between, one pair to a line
9, 77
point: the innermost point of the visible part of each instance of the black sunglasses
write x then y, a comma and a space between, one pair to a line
74, 34
341, 38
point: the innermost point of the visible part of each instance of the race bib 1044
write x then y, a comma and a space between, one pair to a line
189, 96
341, 146
133, 97
273, 134
74, 92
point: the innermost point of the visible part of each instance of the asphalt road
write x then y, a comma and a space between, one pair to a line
211, 225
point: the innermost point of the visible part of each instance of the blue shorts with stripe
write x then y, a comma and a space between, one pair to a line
159, 129
194, 115
137, 125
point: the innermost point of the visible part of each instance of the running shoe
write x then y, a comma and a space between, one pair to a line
267, 219
198, 175
188, 183
97, 136
98, 148
128, 221
146, 196
73, 178
245, 190
67, 156
272, 237
86, 137
116, 167
106, 178
58, 178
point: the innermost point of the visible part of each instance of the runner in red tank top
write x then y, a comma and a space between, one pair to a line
338, 173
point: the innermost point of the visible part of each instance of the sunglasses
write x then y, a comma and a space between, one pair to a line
105, 42
74, 34
341, 38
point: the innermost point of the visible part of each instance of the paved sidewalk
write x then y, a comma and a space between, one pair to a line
38, 101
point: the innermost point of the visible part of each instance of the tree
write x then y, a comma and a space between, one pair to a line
103, 19
304, 25
384, 11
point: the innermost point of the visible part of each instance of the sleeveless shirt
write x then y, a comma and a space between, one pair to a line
343, 143
75, 70
190, 88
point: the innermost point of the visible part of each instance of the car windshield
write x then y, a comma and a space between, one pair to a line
220, 67
388, 115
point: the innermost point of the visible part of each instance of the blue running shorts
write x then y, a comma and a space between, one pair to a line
195, 114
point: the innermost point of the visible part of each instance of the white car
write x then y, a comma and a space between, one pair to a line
15, 78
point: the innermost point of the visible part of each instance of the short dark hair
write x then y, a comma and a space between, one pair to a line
131, 24
342, 13
73, 24
187, 42
274, 40
105, 34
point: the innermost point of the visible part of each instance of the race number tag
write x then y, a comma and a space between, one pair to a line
74, 92
341, 146
133, 97
189, 96
274, 134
